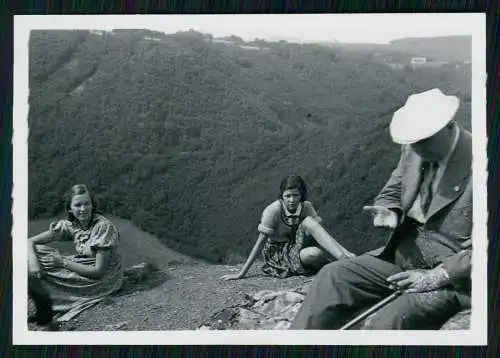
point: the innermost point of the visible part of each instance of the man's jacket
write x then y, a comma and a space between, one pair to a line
450, 212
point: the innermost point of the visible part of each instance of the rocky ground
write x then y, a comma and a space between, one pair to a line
180, 297
182, 293
192, 296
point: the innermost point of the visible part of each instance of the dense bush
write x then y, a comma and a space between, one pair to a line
190, 137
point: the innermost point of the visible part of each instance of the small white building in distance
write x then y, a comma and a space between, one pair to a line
97, 32
418, 61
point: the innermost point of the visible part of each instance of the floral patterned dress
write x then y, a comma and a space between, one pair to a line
286, 238
71, 292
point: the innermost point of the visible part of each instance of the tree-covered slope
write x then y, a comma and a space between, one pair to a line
190, 137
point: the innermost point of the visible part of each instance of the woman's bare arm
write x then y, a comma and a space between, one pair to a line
43, 238
93, 271
253, 254
251, 258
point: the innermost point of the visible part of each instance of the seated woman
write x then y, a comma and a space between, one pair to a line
293, 240
79, 281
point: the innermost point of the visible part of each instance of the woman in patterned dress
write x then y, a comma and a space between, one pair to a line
292, 239
79, 281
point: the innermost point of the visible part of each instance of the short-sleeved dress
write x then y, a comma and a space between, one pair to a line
286, 237
71, 292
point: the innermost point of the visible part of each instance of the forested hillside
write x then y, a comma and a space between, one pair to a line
447, 48
189, 137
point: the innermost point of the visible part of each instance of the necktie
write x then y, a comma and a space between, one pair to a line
429, 174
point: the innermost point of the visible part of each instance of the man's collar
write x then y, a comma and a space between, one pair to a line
445, 160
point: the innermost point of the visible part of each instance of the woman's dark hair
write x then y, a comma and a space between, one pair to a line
79, 189
294, 182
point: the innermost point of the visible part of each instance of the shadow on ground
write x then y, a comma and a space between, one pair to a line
147, 278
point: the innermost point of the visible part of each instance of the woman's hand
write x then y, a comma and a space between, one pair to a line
232, 277
52, 261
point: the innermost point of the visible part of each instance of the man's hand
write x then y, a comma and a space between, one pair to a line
383, 217
467, 244
419, 280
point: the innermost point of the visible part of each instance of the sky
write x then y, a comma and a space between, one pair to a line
353, 28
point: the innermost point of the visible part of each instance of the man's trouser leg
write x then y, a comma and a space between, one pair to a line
42, 300
341, 288
421, 310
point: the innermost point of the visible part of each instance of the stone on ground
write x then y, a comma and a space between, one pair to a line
274, 310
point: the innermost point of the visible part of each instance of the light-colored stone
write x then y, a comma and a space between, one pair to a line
460, 321
116, 326
265, 295
262, 310
293, 297
271, 310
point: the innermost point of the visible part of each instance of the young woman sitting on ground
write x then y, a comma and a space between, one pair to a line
76, 282
292, 239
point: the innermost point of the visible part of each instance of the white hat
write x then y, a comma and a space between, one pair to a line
423, 115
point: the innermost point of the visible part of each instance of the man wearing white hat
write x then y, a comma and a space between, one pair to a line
427, 202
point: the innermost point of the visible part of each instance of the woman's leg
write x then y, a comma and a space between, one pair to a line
42, 300
313, 257
322, 237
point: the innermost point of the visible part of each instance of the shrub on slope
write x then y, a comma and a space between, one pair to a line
189, 137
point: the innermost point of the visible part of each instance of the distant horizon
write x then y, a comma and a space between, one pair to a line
299, 28
290, 40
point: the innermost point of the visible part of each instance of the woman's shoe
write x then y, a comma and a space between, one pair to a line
44, 313
52, 327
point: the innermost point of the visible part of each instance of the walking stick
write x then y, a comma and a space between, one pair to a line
377, 306
371, 310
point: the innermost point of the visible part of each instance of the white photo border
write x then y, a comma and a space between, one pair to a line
473, 24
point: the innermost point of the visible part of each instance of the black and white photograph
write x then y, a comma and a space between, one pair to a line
286, 179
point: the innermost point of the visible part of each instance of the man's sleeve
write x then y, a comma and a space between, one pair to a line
390, 195
458, 266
